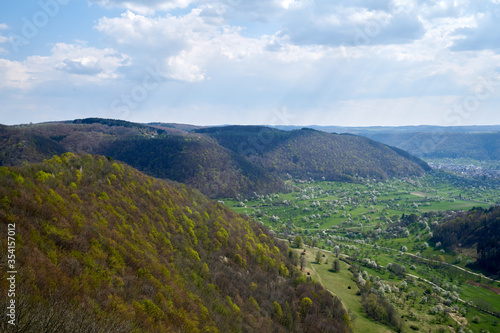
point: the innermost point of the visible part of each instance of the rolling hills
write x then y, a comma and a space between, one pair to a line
475, 142
159, 151
99, 246
220, 161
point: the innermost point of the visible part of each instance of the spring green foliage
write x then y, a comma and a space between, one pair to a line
318, 257
368, 225
297, 242
336, 266
124, 252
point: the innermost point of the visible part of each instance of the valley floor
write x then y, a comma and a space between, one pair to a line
433, 289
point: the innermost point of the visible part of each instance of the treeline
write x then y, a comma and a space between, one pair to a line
118, 122
101, 246
477, 229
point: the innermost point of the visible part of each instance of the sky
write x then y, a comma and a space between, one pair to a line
273, 62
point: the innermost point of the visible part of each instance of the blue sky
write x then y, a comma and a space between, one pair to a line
277, 62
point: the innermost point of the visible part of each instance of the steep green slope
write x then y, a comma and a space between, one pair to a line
100, 247
309, 153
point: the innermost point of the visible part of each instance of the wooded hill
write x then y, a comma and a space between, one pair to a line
308, 153
102, 247
163, 152
476, 231
221, 161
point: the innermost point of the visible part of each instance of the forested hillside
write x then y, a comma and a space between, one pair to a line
313, 154
160, 152
477, 230
474, 142
198, 161
103, 247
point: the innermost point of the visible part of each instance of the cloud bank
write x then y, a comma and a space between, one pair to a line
355, 62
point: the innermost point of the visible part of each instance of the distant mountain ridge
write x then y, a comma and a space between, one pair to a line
476, 142
220, 161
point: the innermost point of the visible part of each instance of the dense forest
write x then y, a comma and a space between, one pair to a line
221, 162
103, 247
197, 161
477, 230
308, 153
173, 154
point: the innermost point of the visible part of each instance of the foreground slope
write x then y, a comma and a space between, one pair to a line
313, 154
103, 247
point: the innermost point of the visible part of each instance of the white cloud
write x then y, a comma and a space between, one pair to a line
352, 26
75, 59
83, 66
181, 68
187, 44
13, 74
67, 63
3, 39
329, 61
143, 7
484, 35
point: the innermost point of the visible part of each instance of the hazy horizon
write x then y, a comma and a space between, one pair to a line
269, 125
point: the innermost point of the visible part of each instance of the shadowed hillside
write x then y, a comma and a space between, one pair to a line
167, 153
198, 161
313, 154
477, 231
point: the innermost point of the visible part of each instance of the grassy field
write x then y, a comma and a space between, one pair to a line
338, 284
324, 205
